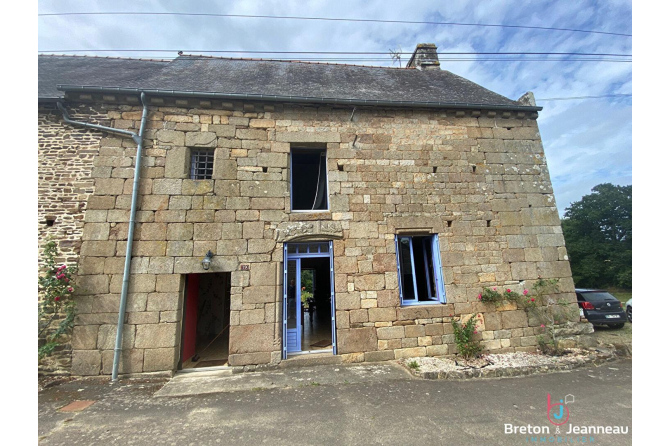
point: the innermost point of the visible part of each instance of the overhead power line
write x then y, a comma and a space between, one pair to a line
333, 19
586, 97
443, 53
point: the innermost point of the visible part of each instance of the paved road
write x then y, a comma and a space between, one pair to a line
387, 409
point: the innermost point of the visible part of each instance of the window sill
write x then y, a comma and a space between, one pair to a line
421, 303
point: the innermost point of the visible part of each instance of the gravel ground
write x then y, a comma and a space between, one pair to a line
493, 361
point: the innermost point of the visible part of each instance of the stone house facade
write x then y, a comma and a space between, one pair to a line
392, 195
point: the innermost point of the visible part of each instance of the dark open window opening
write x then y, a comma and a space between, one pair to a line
419, 269
309, 180
202, 164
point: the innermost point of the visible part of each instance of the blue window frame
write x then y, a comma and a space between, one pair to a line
419, 269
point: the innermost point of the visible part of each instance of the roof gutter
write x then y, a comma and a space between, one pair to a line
299, 99
138, 138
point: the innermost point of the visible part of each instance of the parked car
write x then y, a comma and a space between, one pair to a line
601, 308
629, 309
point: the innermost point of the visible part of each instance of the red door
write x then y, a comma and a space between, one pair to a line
191, 317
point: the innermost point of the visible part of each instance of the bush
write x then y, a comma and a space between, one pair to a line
56, 286
467, 346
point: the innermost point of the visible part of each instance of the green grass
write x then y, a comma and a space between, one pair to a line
622, 295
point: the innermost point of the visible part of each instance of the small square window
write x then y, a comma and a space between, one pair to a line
202, 164
419, 270
309, 180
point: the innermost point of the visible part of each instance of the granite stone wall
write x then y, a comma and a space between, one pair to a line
65, 161
477, 179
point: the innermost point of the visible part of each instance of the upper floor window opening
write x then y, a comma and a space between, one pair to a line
202, 164
309, 180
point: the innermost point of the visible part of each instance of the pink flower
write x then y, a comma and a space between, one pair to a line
542, 325
475, 331
494, 288
70, 289
525, 292
479, 297
67, 280
508, 290
57, 298
532, 299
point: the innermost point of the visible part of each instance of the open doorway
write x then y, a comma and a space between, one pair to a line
309, 322
206, 328
315, 290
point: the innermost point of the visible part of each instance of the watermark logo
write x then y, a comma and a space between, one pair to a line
558, 413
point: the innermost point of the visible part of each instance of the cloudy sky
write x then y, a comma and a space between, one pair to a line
587, 141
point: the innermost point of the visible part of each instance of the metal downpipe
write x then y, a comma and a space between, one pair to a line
129, 243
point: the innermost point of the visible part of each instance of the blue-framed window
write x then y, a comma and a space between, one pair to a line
419, 269
309, 180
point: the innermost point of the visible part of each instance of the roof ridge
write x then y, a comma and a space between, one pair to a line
287, 61
83, 56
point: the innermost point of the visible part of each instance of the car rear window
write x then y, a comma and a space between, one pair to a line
598, 297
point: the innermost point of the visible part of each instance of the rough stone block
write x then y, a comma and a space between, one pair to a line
130, 361
207, 231
391, 332
379, 356
109, 186
167, 186
356, 340
86, 362
180, 248
251, 338
200, 139
160, 359
414, 331
514, 319
264, 189
98, 248
250, 358
107, 337
259, 294
263, 274
296, 137
170, 137
95, 231
348, 301
401, 353
369, 282
156, 336
163, 301
84, 337
98, 284
382, 314
197, 187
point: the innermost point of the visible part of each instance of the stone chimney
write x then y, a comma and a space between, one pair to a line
424, 57
528, 98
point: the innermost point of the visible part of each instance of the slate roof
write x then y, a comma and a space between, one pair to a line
265, 78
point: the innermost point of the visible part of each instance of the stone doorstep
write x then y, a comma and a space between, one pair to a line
310, 359
76, 406
501, 372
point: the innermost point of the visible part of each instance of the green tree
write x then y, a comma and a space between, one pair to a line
598, 232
